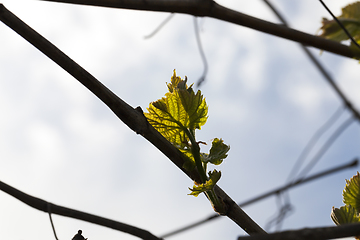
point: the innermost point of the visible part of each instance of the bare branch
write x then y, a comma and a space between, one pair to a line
192, 7
323, 71
208, 8
162, 24
202, 53
326, 146
133, 118
51, 221
353, 163
44, 206
323, 233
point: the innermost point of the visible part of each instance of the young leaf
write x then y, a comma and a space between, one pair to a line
351, 193
189, 163
165, 115
344, 214
208, 185
177, 83
179, 110
217, 152
350, 18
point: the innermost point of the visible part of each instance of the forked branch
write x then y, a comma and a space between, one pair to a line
45, 206
133, 118
209, 8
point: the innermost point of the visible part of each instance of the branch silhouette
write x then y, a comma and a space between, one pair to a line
133, 118
286, 187
346, 230
319, 66
45, 206
202, 53
162, 24
51, 221
209, 8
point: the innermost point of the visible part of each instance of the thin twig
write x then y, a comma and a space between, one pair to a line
305, 152
51, 221
133, 118
214, 10
319, 66
284, 209
353, 163
44, 206
202, 54
325, 147
198, 41
298, 182
162, 24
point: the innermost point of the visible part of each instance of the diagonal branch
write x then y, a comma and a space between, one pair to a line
133, 118
207, 8
319, 66
340, 24
162, 24
45, 206
278, 190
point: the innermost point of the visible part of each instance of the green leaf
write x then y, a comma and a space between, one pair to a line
351, 193
177, 83
350, 18
165, 115
218, 152
345, 214
189, 163
179, 110
208, 185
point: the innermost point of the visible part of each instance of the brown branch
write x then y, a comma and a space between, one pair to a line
323, 233
192, 7
45, 206
319, 66
208, 8
278, 190
133, 118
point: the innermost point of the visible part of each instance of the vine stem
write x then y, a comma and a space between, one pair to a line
195, 149
131, 117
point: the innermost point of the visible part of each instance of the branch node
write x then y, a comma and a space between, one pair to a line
143, 124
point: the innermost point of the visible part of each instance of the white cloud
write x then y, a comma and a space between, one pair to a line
58, 142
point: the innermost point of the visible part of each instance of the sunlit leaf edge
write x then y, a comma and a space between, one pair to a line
179, 110
344, 215
351, 192
217, 153
350, 20
208, 185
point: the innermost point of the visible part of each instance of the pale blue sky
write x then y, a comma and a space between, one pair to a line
60, 143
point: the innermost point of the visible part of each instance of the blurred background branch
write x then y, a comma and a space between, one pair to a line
133, 118
322, 233
44, 206
205, 8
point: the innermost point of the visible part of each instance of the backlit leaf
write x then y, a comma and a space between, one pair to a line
345, 214
189, 163
218, 152
208, 185
167, 116
177, 83
351, 193
179, 110
350, 18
